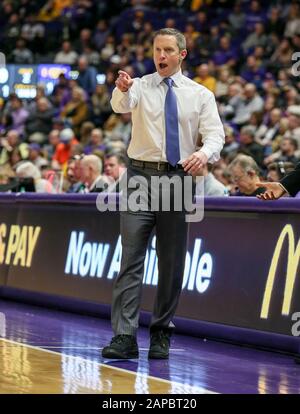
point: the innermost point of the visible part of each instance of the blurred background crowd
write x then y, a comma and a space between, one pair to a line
247, 52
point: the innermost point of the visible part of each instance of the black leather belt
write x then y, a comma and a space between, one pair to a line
158, 166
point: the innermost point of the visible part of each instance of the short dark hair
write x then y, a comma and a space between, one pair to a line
121, 157
180, 39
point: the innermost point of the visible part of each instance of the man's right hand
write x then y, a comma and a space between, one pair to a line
124, 81
273, 191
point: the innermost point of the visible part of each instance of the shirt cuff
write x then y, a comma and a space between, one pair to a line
208, 152
284, 189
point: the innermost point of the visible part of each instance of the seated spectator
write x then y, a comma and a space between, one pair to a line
115, 164
85, 132
293, 115
222, 174
141, 63
231, 101
245, 174
53, 141
91, 55
265, 137
15, 115
223, 82
61, 93
63, 149
35, 156
101, 108
66, 55
211, 186
293, 20
277, 170
40, 93
247, 104
95, 142
74, 174
257, 38
121, 130
21, 55
40, 119
204, 78
275, 23
10, 143
12, 30
225, 54
237, 18
255, 14
256, 122
91, 174
87, 76
230, 145
16, 157
76, 110
282, 56
249, 147
286, 153
253, 71
100, 34
28, 170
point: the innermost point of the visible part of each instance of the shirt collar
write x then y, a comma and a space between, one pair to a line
177, 78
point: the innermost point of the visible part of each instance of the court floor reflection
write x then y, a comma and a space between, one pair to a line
74, 363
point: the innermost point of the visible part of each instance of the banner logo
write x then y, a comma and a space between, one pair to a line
18, 250
291, 272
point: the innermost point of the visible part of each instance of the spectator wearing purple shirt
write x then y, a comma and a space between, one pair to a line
225, 54
16, 115
253, 72
96, 142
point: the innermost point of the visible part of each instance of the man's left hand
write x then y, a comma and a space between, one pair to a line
194, 162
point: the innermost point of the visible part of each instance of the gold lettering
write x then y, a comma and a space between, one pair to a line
33, 235
14, 237
3, 230
292, 265
20, 255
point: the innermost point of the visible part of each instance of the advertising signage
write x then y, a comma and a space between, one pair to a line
242, 269
8, 216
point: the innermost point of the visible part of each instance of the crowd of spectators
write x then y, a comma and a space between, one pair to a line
245, 51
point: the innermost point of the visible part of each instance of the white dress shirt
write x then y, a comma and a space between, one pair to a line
197, 113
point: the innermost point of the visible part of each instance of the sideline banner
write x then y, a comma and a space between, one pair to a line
8, 217
242, 268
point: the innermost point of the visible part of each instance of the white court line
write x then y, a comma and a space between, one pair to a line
198, 390
89, 347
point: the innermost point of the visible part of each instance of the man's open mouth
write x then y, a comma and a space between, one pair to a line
163, 65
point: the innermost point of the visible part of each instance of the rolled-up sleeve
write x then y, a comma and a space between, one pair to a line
211, 129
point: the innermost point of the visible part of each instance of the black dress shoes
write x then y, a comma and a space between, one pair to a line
121, 347
159, 344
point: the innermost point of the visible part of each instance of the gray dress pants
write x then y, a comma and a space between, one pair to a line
171, 242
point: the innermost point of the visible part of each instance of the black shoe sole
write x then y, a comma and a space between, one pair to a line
157, 355
113, 354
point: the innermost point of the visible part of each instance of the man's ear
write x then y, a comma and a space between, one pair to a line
183, 54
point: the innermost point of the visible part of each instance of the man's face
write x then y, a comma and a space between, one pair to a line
166, 55
285, 146
84, 172
242, 179
12, 138
70, 172
111, 167
273, 176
